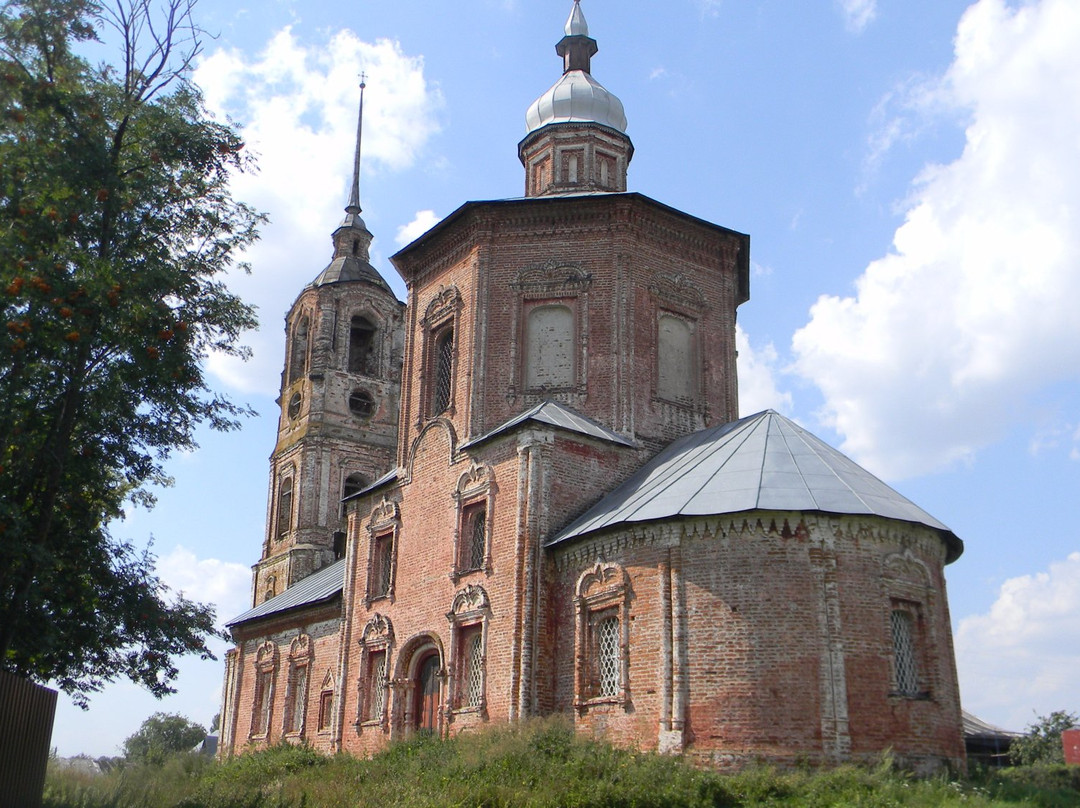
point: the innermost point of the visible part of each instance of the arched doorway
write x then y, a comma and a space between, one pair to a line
426, 694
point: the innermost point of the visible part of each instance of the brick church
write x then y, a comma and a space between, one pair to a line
528, 491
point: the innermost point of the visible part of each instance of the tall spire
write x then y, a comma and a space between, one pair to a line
354, 197
352, 239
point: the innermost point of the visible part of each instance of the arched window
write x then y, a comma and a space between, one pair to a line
549, 358
603, 639
298, 353
284, 506
362, 346
468, 619
676, 376
444, 370
353, 484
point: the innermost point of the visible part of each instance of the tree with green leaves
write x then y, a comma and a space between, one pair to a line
161, 736
1042, 742
116, 230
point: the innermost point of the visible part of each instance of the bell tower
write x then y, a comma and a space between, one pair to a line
339, 403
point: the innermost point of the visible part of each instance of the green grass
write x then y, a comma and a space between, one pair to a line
541, 764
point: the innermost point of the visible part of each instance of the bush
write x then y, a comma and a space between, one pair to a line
537, 764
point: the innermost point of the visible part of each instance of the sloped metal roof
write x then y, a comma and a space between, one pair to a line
318, 587
762, 462
350, 268
977, 728
555, 414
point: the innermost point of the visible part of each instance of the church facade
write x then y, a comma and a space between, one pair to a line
529, 492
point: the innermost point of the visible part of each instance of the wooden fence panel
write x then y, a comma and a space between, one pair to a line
26, 723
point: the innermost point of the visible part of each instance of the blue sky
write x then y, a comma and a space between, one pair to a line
909, 174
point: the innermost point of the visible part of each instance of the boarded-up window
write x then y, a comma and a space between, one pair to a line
549, 358
675, 359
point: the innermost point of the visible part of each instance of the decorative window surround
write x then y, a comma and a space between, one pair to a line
601, 672
295, 713
440, 354
376, 645
910, 601
468, 617
266, 659
383, 529
551, 284
474, 499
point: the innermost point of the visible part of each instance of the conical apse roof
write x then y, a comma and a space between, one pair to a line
762, 462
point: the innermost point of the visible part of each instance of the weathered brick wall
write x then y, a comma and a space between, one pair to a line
786, 651
617, 261
323, 627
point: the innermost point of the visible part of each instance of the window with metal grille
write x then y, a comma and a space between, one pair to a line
444, 366
904, 658
472, 669
607, 656
376, 685
382, 566
474, 537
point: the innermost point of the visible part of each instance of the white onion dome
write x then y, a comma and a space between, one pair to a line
576, 97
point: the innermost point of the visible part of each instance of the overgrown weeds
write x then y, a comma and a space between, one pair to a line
539, 764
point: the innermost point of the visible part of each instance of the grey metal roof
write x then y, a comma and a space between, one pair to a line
349, 268
762, 462
316, 588
977, 728
555, 414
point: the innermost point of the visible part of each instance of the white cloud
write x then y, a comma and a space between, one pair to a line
758, 372
858, 13
971, 312
225, 584
423, 221
1020, 659
117, 712
296, 105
